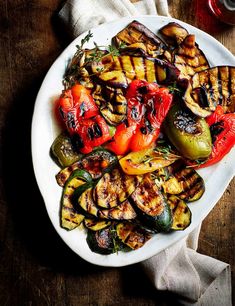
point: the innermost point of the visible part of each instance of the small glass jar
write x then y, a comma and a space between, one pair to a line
224, 10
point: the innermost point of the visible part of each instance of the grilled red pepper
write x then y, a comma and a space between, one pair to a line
148, 105
82, 120
222, 127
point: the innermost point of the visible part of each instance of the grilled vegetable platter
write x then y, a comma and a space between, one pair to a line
141, 122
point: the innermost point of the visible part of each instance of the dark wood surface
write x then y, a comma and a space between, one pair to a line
36, 267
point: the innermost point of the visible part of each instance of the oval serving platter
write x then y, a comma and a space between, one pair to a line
45, 129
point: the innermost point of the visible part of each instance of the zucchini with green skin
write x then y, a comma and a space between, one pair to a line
96, 163
191, 182
114, 187
95, 225
70, 218
181, 213
124, 211
101, 242
152, 206
132, 235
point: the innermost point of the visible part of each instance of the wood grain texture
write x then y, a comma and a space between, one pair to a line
36, 267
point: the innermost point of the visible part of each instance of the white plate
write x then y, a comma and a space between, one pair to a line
44, 131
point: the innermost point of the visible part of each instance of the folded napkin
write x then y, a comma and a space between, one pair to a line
195, 278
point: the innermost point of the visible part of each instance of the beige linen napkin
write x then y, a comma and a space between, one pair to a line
197, 279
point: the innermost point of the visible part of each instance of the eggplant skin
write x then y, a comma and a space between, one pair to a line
174, 32
209, 88
136, 32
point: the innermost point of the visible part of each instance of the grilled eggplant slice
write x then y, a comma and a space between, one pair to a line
101, 242
96, 163
70, 218
114, 110
132, 235
114, 188
95, 225
145, 161
191, 182
152, 206
189, 59
209, 88
174, 32
181, 213
136, 32
119, 71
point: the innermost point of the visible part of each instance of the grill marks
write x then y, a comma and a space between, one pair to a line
212, 87
123, 211
114, 188
188, 58
191, 181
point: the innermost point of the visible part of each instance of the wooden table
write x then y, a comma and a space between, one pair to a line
36, 267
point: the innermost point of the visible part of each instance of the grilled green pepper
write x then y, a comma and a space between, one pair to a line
188, 133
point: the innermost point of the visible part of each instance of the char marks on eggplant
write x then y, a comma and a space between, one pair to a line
209, 88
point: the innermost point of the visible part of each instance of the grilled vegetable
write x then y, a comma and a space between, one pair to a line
209, 88
96, 163
85, 200
222, 127
145, 161
114, 188
101, 242
70, 218
190, 181
188, 133
174, 32
132, 235
114, 108
181, 213
63, 150
95, 225
124, 211
151, 205
136, 32
119, 71
189, 59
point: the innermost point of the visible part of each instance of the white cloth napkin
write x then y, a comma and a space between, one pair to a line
196, 278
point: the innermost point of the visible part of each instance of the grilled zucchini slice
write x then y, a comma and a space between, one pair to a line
101, 242
114, 188
70, 218
124, 211
152, 206
192, 183
181, 213
95, 225
209, 88
96, 163
132, 235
